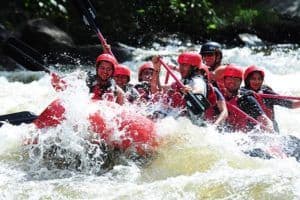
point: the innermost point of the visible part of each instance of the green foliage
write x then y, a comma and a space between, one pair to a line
136, 20
46, 8
246, 16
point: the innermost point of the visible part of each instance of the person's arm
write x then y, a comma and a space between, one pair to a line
250, 106
221, 104
223, 113
120, 96
106, 48
296, 104
270, 102
155, 81
266, 121
156, 85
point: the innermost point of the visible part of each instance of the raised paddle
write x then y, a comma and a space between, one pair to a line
197, 103
88, 13
24, 55
30, 59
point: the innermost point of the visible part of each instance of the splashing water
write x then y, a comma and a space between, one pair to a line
191, 162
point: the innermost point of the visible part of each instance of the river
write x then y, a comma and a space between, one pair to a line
191, 163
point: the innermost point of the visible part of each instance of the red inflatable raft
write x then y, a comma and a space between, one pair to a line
126, 130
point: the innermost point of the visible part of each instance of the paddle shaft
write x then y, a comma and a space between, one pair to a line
275, 96
170, 72
251, 119
24, 55
88, 12
103, 41
197, 103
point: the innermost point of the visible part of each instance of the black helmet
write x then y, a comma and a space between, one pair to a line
210, 47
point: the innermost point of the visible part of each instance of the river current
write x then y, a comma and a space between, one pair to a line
191, 162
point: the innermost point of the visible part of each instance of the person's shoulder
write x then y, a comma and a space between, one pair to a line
267, 89
244, 91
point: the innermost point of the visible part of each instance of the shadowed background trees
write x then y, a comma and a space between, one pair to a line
139, 21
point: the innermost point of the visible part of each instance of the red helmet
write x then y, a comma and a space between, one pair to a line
122, 70
190, 58
251, 69
233, 71
108, 58
147, 65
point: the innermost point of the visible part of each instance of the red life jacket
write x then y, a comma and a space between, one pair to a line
101, 94
174, 97
268, 111
210, 114
170, 98
235, 119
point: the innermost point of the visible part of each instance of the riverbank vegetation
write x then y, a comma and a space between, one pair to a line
140, 22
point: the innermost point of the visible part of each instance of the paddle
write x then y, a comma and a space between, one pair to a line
197, 103
275, 96
246, 116
31, 60
18, 118
88, 13
24, 55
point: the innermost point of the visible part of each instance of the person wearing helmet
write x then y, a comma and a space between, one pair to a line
217, 112
148, 79
253, 79
233, 76
188, 66
102, 85
122, 79
212, 55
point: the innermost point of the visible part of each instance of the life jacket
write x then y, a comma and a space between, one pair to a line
105, 92
236, 120
268, 111
177, 99
173, 97
211, 113
144, 90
